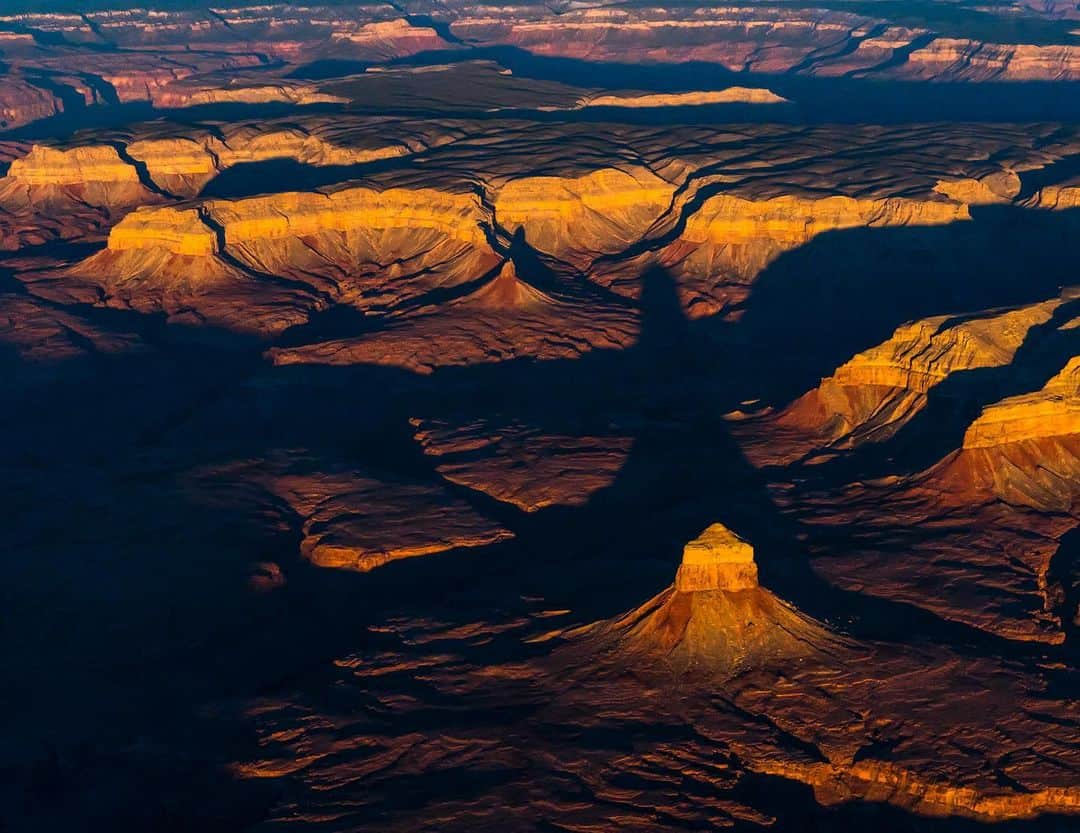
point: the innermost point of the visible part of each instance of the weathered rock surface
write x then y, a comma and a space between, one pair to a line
1051, 412
784, 697
504, 319
715, 619
1025, 450
732, 95
263, 264
527, 467
875, 394
351, 520
718, 559
577, 219
293, 288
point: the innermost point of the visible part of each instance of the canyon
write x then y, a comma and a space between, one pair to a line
540, 416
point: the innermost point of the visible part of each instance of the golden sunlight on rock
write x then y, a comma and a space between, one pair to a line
714, 621
732, 95
544, 417
718, 559
1053, 411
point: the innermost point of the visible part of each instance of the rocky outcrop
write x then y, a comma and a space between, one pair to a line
731, 95
1060, 197
578, 219
180, 162
527, 467
875, 394
293, 253
733, 236
792, 221
997, 187
52, 193
718, 559
972, 60
357, 520
716, 248
1051, 412
167, 230
505, 318
91, 165
390, 38
714, 621
195, 94
1025, 449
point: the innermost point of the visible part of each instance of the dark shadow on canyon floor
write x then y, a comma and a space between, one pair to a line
158, 620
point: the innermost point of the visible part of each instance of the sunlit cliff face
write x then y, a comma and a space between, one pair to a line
527, 418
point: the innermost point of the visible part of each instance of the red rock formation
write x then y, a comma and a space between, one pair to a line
353, 520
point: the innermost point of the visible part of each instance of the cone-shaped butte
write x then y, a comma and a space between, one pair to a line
715, 620
718, 559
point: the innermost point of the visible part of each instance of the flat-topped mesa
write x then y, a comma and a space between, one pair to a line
718, 559
178, 231
732, 237
577, 219
286, 93
392, 38
63, 194
1060, 196
180, 161
295, 214
45, 165
731, 95
793, 220
197, 230
263, 264
1023, 450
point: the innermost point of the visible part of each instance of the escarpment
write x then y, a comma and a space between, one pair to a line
714, 249
1051, 412
732, 95
793, 220
578, 219
291, 254
875, 394
92, 165
79, 192
972, 60
609, 225
716, 245
59, 194
181, 160
1025, 449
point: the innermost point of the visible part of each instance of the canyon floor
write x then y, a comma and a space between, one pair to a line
541, 417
